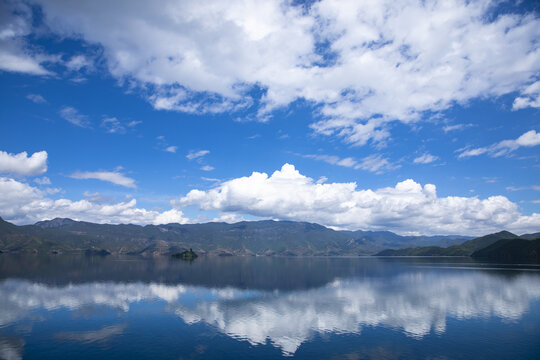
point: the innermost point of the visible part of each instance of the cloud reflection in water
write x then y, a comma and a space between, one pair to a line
413, 302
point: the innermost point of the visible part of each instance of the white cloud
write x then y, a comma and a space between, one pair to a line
425, 159
78, 62
72, 115
532, 187
113, 125
407, 207
171, 149
530, 97
374, 163
197, 154
38, 99
21, 164
15, 56
23, 204
529, 139
363, 63
114, 177
207, 168
456, 127
377, 164
43, 181
133, 123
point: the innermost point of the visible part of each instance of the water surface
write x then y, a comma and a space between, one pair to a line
245, 307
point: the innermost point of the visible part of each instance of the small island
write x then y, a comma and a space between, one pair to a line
185, 255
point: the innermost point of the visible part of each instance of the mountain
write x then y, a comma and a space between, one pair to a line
512, 251
481, 242
265, 237
454, 250
530, 236
464, 249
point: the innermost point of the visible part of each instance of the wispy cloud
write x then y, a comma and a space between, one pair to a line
134, 123
210, 179
425, 159
113, 125
171, 149
529, 139
520, 188
87, 337
79, 62
374, 163
197, 154
43, 181
72, 115
114, 177
207, 168
456, 127
38, 99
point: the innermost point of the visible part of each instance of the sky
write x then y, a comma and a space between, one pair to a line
417, 117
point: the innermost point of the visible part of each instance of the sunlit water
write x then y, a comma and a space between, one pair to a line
241, 307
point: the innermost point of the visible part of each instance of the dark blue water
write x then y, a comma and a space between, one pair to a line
65, 307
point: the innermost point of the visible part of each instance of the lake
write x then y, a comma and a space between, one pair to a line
65, 307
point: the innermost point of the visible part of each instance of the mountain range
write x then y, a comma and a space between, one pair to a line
265, 237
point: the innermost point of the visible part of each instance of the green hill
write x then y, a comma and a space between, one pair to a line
512, 251
464, 249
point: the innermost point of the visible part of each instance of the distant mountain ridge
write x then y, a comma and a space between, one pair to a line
501, 245
264, 237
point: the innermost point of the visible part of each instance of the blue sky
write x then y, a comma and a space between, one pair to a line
414, 117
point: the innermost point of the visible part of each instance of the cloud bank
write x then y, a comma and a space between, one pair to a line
407, 207
361, 64
23, 204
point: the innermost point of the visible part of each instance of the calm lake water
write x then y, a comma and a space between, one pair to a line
65, 307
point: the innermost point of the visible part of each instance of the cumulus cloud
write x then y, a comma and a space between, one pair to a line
72, 115
114, 177
197, 154
23, 204
21, 164
407, 207
529, 139
363, 64
425, 159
